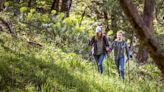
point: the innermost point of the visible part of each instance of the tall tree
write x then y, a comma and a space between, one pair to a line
144, 33
148, 18
55, 5
1, 5
66, 6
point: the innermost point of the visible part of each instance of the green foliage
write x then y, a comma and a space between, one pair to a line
53, 12
45, 18
23, 9
6, 4
110, 32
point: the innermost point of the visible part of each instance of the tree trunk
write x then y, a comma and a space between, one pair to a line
66, 6
148, 18
106, 22
1, 5
142, 54
55, 6
29, 3
144, 33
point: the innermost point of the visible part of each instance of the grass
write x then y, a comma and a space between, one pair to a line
25, 68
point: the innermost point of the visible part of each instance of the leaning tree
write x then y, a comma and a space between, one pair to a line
144, 31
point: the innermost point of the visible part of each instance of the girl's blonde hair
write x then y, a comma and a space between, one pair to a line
123, 38
120, 32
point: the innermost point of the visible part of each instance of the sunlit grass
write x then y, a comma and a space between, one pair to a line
49, 69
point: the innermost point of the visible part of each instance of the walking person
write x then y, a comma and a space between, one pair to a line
100, 46
119, 46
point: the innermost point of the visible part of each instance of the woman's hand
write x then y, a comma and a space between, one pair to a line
107, 49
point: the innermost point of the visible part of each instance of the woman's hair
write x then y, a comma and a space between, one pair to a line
97, 36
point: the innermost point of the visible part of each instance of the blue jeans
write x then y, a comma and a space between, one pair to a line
120, 66
99, 59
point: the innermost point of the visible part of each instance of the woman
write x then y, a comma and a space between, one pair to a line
119, 45
100, 46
